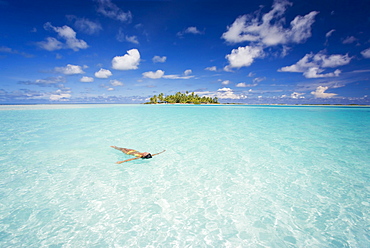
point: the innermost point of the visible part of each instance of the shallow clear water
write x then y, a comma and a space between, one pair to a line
232, 176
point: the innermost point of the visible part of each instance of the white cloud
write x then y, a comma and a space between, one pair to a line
51, 44
296, 95
241, 85
177, 77
366, 53
349, 40
109, 9
328, 34
212, 68
129, 61
132, 39
225, 82
227, 93
332, 61
243, 56
103, 73
116, 83
269, 30
153, 75
247, 85
190, 30
223, 93
69, 35
160, 74
87, 79
258, 79
85, 25
314, 72
70, 69
188, 72
158, 59
59, 95
320, 92
121, 37
312, 65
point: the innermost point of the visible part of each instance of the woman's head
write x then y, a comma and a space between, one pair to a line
147, 155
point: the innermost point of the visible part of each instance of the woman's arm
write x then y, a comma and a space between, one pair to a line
158, 153
120, 162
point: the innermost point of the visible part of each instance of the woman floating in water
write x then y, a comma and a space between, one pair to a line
134, 153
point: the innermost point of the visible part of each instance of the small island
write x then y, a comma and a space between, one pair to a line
184, 98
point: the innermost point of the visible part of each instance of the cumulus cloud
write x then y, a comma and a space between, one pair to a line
70, 69
103, 73
50, 44
85, 25
160, 74
212, 68
223, 93
242, 85
153, 75
366, 53
87, 79
159, 59
296, 95
227, 93
246, 85
121, 37
177, 77
226, 82
109, 9
243, 56
311, 65
349, 40
315, 72
66, 33
60, 95
320, 92
116, 83
269, 30
129, 61
190, 30
132, 39
188, 72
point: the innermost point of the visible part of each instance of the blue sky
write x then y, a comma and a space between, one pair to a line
105, 51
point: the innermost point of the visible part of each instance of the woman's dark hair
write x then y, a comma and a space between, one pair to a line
148, 156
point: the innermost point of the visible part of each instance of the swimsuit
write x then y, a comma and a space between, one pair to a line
137, 154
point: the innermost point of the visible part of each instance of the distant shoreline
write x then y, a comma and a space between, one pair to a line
203, 104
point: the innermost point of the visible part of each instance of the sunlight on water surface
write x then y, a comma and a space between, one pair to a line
232, 176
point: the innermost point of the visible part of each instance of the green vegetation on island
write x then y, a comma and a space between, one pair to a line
179, 97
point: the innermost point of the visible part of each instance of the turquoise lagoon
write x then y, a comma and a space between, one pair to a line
232, 176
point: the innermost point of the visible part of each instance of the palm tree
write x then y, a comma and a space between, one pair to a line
161, 97
182, 98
